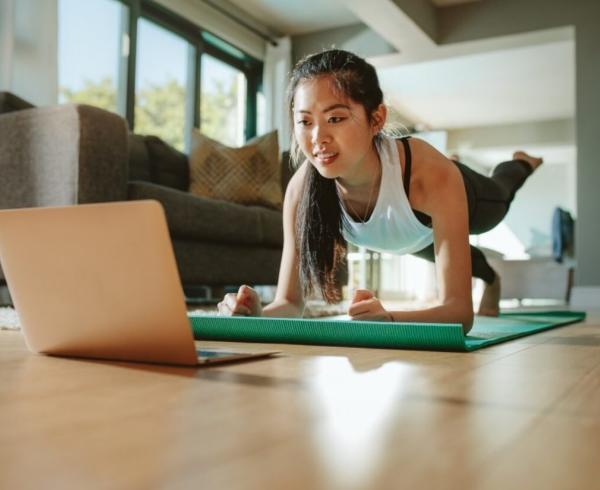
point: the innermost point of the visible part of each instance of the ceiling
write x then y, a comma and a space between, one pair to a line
514, 79
293, 17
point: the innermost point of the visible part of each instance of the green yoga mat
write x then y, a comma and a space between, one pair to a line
430, 336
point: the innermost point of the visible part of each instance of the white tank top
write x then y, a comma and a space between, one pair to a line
392, 226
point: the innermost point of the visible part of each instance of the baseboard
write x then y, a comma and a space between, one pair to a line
587, 297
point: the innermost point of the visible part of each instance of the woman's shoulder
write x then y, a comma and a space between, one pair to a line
431, 171
426, 155
296, 183
417, 145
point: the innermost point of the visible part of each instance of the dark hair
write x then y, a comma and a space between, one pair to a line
319, 218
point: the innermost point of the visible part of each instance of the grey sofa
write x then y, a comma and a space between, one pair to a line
72, 154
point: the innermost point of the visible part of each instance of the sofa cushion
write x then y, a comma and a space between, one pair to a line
169, 165
139, 160
247, 175
153, 160
10, 103
226, 263
192, 217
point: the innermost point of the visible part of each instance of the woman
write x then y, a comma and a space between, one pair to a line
358, 185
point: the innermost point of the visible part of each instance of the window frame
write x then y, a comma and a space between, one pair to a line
251, 67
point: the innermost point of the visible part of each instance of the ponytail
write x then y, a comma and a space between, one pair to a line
320, 243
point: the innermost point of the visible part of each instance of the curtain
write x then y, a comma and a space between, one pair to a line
276, 72
6, 43
28, 49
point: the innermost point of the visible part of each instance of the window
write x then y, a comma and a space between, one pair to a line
223, 101
92, 55
162, 84
161, 71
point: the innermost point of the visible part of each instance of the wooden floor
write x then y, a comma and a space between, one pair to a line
521, 415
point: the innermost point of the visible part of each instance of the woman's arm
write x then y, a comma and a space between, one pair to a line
439, 192
288, 300
445, 200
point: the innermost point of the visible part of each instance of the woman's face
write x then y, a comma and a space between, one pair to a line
332, 131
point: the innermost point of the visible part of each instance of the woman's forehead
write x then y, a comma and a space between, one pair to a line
319, 93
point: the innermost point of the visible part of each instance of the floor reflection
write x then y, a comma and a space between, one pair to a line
353, 412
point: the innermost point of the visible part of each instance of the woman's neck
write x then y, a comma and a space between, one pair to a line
358, 186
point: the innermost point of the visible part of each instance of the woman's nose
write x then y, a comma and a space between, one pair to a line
320, 135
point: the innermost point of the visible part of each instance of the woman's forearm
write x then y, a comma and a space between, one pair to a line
283, 309
444, 313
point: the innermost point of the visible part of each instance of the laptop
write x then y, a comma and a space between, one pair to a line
100, 281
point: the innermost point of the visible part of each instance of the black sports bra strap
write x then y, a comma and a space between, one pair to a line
407, 164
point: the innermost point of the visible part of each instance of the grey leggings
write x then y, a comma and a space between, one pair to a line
488, 199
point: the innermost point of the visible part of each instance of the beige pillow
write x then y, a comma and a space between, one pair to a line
250, 174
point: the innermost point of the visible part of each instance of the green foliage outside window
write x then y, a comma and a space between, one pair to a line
99, 94
160, 109
218, 112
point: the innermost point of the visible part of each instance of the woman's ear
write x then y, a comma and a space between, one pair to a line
378, 118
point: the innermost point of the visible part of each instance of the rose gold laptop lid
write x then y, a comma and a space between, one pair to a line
97, 280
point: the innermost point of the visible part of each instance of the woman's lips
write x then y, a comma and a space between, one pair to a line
326, 158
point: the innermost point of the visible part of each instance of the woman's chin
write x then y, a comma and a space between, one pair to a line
327, 171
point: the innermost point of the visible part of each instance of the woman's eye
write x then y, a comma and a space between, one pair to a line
303, 122
335, 119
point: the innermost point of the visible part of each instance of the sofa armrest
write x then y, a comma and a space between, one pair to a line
62, 155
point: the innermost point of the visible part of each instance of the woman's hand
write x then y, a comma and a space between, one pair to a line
365, 306
246, 303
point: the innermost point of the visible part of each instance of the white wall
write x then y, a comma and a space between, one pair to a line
530, 216
28, 45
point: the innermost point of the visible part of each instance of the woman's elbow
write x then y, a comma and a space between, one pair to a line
467, 318
461, 312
